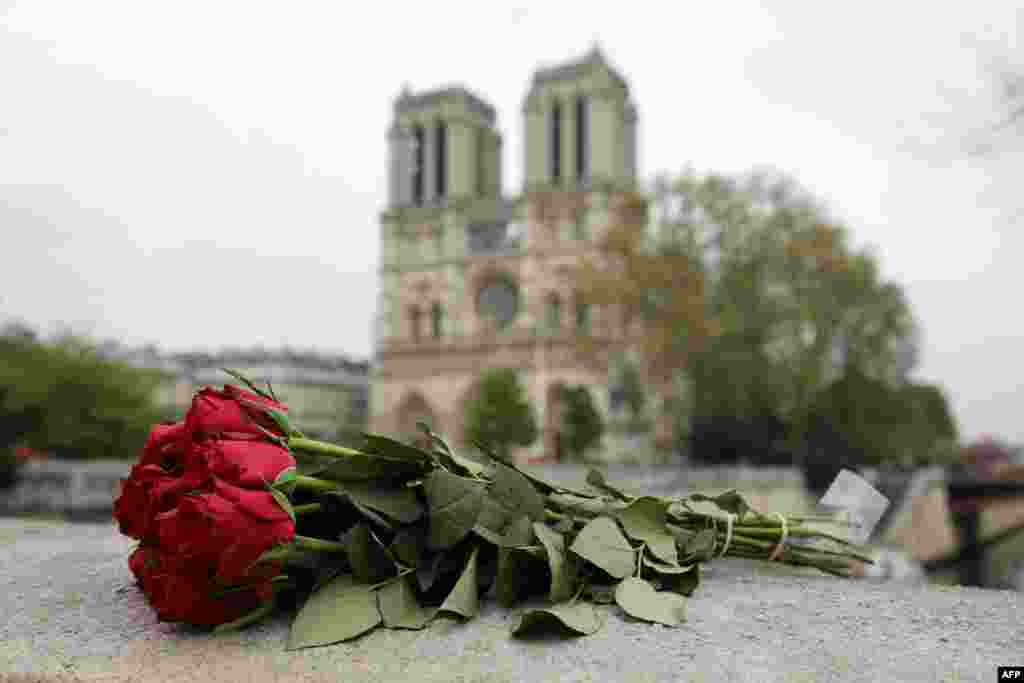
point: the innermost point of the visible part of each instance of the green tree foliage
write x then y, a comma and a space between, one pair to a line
746, 291
581, 424
498, 415
883, 423
65, 399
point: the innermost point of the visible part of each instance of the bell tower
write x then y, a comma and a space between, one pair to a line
580, 128
443, 147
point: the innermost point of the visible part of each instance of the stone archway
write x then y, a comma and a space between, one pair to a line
413, 409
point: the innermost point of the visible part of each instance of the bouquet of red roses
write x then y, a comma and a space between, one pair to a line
236, 511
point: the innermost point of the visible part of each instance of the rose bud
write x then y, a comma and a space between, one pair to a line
188, 595
232, 414
148, 491
165, 445
229, 528
248, 464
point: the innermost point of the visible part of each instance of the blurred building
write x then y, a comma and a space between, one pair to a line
471, 279
326, 395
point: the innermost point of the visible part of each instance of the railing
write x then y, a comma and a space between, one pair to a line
64, 487
971, 558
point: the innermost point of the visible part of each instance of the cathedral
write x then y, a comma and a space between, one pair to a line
471, 279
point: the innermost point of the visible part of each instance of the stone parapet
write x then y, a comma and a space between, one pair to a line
72, 612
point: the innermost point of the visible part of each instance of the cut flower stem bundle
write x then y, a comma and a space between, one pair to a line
393, 535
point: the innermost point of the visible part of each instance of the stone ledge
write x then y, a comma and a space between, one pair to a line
72, 612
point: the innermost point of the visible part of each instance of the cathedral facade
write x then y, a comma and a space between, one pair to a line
471, 279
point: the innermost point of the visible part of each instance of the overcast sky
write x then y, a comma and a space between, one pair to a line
209, 174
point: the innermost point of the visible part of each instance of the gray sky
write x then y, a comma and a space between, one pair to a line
207, 174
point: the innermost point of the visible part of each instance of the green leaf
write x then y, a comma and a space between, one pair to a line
597, 480
515, 562
563, 569
371, 563
399, 607
287, 476
258, 614
451, 459
464, 598
519, 533
454, 504
510, 496
491, 537
372, 516
600, 594
397, 502
730, 501
640, 601
408, 546
513, 576
283, 501
602, 544
662, 568
365, 467
700, 547
644, 520
340, 610
310, 465
248, 383
374, 444
579, 618
281, 420
546, 488
286, 480
684, 584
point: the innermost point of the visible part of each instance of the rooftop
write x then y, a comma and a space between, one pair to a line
594, 58
407, 101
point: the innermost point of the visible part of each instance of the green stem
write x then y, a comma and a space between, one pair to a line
321, 447
252, 617
318, 545
314, 484
306, 509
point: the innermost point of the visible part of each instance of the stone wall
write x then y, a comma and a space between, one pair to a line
63, 487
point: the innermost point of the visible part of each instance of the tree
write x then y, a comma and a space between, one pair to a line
582, 426
64, 398
744, 290
498, 415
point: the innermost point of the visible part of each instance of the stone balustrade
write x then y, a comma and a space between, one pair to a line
65, 487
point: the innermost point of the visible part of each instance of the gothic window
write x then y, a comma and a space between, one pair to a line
487, 237
419, 155
581, 138
415, 321
439, 243
581, 229
441, 159
582, 315
553, 311
498, 301
436, 319
556, 141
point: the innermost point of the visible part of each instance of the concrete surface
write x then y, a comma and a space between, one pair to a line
70, 611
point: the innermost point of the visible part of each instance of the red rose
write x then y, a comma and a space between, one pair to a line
148, 491
227, 528
248, 464
166, 444
232, 414
187, 594
144, 561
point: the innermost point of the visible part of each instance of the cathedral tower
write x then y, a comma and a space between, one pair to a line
443, 147
580, 128
470, 280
